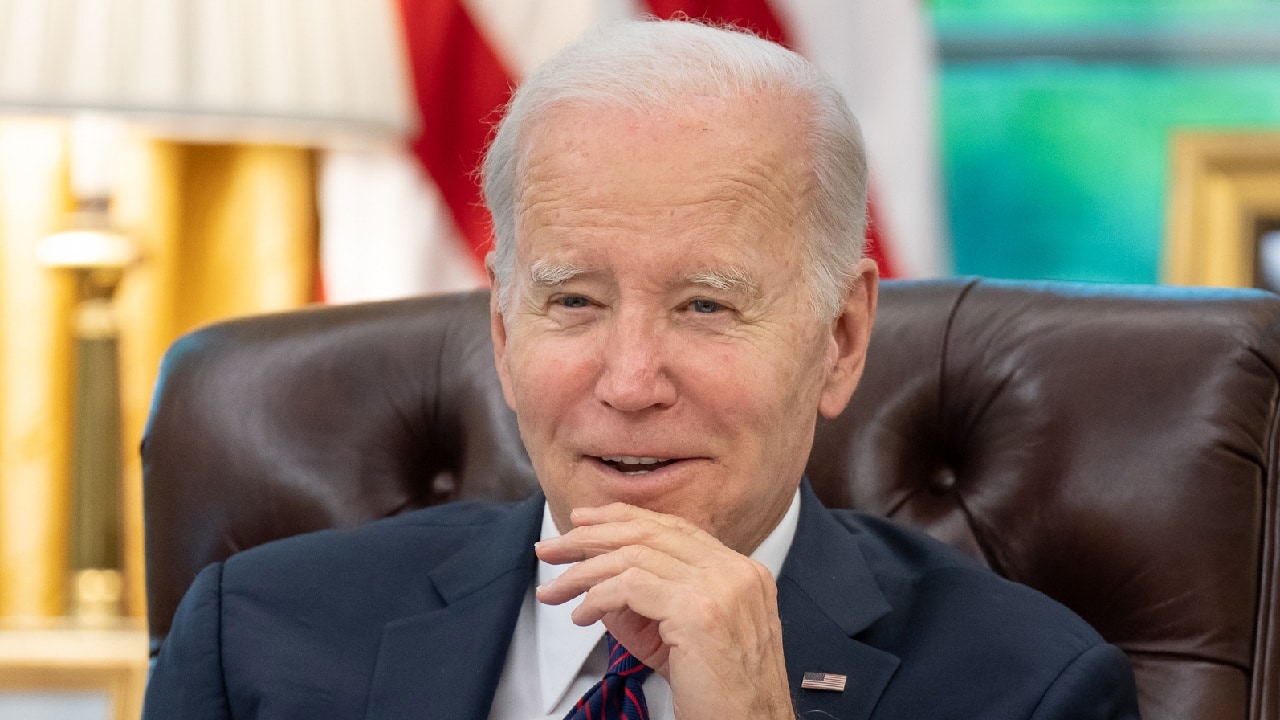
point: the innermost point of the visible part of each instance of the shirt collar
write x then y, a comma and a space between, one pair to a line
563, 647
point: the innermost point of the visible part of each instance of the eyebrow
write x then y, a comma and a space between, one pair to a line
549, 274
730, 279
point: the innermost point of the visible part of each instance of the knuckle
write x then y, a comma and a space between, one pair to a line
706, 610
703, 606
634, 554
647, 531
678, 523
632, 575
762, 573
746, 577
593, 598
663, 523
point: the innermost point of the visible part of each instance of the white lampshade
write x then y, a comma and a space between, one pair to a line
304, 71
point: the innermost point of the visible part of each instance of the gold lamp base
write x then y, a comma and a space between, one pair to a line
98, 256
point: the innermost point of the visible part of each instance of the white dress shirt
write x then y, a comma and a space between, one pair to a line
552, 662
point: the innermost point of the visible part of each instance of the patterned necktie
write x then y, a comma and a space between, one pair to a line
618, 694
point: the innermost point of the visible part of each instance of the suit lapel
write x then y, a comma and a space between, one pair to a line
827, 595
446, 662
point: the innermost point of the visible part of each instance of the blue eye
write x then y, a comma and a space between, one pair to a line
706, 307
574, 301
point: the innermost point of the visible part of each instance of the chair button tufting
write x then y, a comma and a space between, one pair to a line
444, 485
943, 481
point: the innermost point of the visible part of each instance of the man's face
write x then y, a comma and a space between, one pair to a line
660, 347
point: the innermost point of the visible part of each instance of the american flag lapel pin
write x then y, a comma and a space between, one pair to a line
823, 681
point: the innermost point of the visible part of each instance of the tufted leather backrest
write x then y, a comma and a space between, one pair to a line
1114, 447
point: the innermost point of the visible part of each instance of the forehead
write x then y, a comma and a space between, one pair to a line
704, 150
713, 170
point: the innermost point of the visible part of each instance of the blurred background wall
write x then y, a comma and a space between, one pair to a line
1057, 117
280, 152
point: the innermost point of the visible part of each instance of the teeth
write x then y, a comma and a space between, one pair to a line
630, 460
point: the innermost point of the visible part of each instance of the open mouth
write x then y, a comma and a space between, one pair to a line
632, 465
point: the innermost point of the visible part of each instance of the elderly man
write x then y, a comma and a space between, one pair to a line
678, 293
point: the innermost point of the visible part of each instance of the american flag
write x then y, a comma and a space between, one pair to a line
823, 681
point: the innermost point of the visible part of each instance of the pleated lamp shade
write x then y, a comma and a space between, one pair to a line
304, 71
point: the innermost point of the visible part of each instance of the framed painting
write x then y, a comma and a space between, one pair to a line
1224, 210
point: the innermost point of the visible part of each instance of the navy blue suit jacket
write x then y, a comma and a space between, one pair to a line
411, 617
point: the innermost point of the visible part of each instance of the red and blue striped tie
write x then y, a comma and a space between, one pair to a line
618, 694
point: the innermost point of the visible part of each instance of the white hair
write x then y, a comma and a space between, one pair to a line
658, 64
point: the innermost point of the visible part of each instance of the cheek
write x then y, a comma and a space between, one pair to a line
537, 399
771, 413
731, 394
779, 379
546, 378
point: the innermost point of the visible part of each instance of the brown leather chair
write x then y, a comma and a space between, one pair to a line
1115, 447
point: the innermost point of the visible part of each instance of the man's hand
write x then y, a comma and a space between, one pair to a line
701, 615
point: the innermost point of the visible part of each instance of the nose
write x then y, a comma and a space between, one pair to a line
634, 372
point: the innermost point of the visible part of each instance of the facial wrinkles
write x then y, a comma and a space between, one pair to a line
712, 256
662, 279
760, 199
726, 216
571, 182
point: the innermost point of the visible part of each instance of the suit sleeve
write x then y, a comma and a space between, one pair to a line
1097, 685
187, 680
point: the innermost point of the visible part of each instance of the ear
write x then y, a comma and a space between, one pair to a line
498, 331
850, 334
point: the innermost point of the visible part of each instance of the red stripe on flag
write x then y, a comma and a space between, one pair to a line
754, 15
459, 82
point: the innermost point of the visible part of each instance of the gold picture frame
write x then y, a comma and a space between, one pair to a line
1225, 187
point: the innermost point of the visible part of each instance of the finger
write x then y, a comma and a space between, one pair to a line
622, 512
588, 573
591, 541
680, 540
692, 602
636, 590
